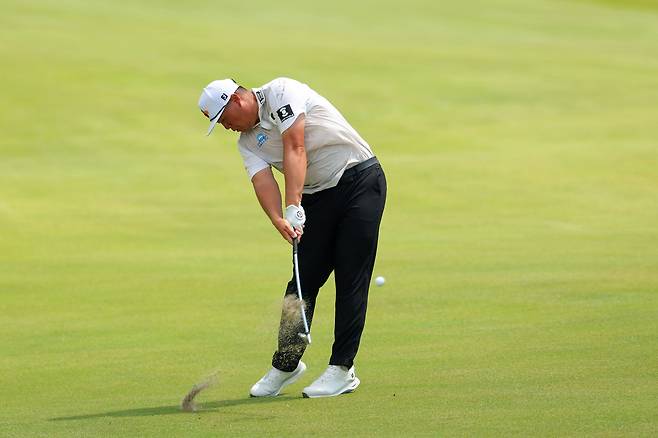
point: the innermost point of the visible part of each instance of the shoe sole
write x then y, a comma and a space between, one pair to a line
350, 388
292, 379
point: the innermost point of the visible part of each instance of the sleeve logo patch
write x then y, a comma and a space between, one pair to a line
284, 113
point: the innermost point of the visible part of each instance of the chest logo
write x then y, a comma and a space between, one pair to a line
261, 139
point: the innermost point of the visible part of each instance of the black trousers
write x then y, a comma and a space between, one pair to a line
340, 235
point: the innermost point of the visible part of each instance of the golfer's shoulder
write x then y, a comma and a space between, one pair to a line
283, 87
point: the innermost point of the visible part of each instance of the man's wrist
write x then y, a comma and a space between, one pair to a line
296, 201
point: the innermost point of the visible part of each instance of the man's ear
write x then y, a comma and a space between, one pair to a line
235, 97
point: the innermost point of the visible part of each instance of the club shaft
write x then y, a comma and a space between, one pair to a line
299, 286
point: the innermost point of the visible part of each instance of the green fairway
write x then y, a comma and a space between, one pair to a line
519, 241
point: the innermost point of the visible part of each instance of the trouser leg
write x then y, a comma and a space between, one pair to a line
355, 251
315, 256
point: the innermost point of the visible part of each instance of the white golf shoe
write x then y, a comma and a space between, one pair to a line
275, 380
335, 380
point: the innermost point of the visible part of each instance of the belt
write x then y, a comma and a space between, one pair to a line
363, 165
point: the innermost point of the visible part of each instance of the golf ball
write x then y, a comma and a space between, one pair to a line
379, 281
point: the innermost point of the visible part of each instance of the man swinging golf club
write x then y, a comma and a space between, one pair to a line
335, 191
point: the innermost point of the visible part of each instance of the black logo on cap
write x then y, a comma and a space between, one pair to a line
284, 113
224, 96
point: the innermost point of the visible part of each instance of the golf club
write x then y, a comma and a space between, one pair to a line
306, 336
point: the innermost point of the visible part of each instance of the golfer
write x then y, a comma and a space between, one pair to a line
334, 195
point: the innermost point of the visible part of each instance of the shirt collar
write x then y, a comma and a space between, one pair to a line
263, 109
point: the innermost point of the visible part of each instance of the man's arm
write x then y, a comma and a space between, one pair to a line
269, 197
294, 161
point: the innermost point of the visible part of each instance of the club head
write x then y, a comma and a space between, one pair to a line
306, 337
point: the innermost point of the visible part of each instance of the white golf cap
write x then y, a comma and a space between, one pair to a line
214, 99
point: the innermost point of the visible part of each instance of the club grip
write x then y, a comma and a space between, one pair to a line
294, 245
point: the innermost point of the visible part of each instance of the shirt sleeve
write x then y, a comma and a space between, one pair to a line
252, 162
288, 102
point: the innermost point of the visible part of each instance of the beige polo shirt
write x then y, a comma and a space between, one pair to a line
332, 145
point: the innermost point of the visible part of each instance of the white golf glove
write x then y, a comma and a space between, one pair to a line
295, 216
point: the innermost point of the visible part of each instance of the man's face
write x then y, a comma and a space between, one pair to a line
236, 116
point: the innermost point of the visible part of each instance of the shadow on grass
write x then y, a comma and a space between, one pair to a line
211, 406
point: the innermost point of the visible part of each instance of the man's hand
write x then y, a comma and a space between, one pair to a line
295, 216
286, 230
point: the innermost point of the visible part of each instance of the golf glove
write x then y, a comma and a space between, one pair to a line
295, 216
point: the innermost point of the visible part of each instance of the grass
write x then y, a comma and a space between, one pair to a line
519, 241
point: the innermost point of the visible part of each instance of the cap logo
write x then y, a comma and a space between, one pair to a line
224, 96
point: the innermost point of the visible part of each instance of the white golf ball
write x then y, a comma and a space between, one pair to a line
379, 281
